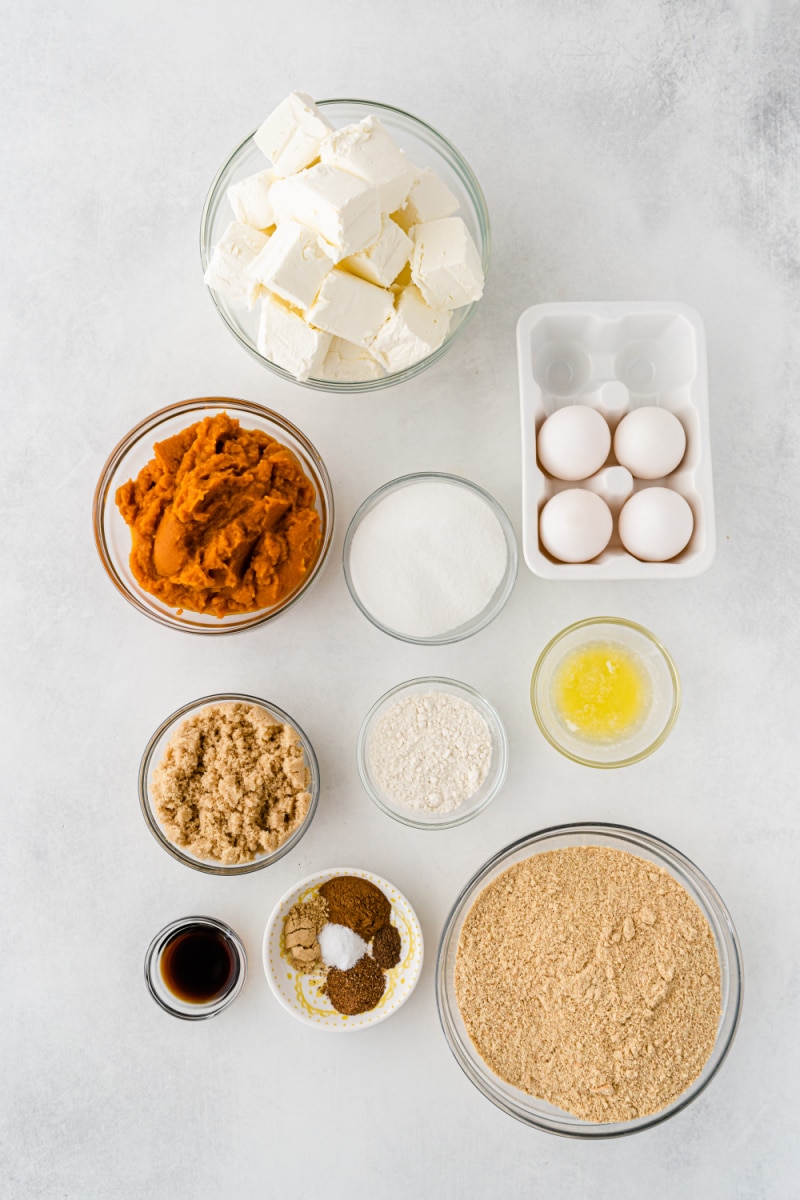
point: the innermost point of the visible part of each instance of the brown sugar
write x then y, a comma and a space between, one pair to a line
590, 978
232, 784
222, 519
357, 903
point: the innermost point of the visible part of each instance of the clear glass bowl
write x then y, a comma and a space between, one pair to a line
113, 537
157, 986
664, 702
529, 1109
153, 753
504, 589
425, 148
485, 793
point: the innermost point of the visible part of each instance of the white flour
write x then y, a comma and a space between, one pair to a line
428, 558
430, 752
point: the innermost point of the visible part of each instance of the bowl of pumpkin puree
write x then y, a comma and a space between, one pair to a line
213, 515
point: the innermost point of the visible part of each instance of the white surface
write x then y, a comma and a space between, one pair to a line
659, 161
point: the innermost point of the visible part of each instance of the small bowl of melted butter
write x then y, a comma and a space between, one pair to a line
605, 692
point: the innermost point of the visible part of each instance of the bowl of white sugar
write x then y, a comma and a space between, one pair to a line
432, 753
430, 558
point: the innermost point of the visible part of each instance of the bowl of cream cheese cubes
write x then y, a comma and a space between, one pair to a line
345, 243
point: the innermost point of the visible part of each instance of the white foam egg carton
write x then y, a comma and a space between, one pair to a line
616, 357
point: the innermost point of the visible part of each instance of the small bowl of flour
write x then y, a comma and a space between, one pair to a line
430, 558
432, 753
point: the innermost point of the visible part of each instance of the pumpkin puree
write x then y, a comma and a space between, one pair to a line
222, 519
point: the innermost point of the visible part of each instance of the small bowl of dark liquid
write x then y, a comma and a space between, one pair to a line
195, 967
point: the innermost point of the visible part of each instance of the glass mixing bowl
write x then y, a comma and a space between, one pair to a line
474, 804
113, 537
498, 601
529, 1109
663, 703
154, 752
425, 147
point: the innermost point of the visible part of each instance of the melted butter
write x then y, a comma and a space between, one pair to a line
601, 692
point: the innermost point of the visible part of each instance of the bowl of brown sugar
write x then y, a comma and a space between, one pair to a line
228, 784
589, 980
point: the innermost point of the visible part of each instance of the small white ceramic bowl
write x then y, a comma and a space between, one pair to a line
299, 993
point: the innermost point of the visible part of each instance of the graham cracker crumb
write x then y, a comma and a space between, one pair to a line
590, 978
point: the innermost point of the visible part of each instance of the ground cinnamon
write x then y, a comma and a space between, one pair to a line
357, 903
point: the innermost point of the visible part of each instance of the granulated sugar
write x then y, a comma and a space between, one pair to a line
428, 558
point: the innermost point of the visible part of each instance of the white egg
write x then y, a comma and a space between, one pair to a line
575, 526
655, 524
574, 442
650, 442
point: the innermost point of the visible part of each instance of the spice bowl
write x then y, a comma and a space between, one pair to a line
135, 450
527, 1108
154, 752
418, 817
425, 147
660, 692
301, 994
411, 587
231, 971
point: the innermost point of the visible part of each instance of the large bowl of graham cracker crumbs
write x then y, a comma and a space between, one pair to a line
228, 784
589, 980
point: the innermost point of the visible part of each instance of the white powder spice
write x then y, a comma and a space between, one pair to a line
428, 558
341, 947
430, 752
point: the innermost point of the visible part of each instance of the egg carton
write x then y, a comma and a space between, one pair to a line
616, 357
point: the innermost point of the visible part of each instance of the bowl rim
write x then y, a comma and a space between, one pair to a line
729, 951
477, 199
322, 876
504, 590
672, 670
212, 866
147, 425
457, 816
159, 942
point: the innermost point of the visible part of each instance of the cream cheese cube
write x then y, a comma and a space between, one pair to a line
428, 200
340, 207
382, 262
233, 256
293, 264
249, 199
287, 340
413, 331
350, 307
367, 150
347, 363
291, 135
445, 264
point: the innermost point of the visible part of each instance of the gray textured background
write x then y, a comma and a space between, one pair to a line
628, 150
